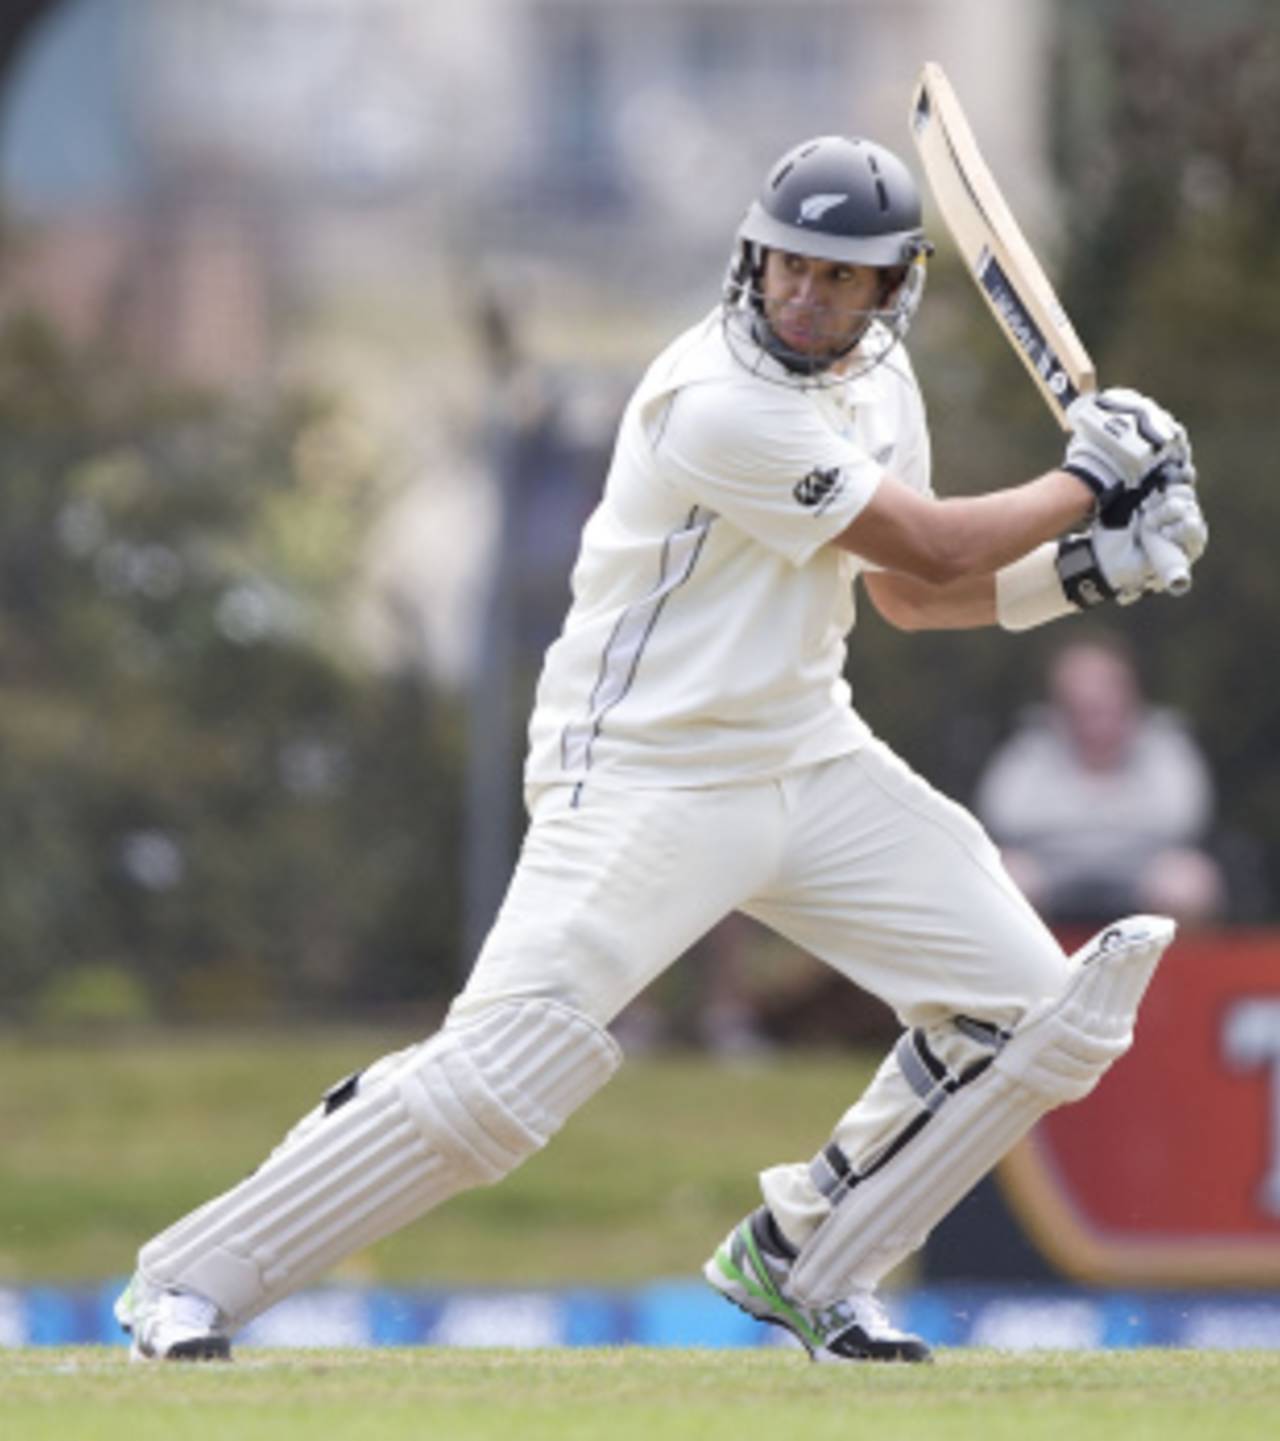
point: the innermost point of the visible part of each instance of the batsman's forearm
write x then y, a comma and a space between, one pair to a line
942, 541
986, 532
914, 605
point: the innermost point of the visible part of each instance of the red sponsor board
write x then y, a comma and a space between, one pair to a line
1169, 1173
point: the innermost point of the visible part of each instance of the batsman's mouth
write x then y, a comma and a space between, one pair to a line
810, 332
801, 332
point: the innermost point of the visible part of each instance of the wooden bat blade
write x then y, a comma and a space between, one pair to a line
993, 247
1006, 271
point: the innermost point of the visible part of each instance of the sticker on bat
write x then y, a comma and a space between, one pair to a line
1025, 332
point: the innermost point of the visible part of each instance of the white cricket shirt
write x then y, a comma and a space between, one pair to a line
706, 639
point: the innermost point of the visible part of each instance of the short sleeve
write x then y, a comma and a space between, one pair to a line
914, 465
765, 459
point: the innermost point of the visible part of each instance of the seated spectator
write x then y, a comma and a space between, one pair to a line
1101, 802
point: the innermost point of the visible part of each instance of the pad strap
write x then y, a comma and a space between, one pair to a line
832, 1173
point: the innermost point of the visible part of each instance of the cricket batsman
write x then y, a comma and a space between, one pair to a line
694, 750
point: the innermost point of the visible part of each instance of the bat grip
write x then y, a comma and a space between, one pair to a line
1167, 559
1169, 564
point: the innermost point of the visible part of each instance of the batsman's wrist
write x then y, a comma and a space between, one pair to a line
1029, 592
1100, 489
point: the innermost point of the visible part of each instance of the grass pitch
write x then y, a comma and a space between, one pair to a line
635, 1394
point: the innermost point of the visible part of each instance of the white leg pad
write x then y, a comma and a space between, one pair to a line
1057, 1053
464, 1108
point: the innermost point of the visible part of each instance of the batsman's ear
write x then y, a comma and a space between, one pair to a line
892, 278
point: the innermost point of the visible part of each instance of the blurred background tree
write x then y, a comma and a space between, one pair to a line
207, 807
1180, 273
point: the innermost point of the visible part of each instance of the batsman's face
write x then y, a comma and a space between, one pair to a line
817, 307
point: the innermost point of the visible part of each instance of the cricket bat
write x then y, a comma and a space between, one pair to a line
1006, 271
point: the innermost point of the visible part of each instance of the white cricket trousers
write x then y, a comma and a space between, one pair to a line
856, 860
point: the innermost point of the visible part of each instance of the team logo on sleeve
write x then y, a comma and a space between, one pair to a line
819, 488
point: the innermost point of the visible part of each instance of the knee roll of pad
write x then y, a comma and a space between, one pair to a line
462, 1109
1057, 1053
1062, 1049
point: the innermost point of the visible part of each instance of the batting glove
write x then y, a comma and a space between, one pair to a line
1173, 513
1104, 565
1111, 561
1119, 438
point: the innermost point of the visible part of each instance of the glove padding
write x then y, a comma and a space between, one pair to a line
1119, 438
1112, 561
1174, 514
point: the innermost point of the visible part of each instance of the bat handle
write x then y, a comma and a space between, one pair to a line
1169, 563
1167, 559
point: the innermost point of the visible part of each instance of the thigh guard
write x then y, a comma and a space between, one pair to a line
1057, 1053
462, 1109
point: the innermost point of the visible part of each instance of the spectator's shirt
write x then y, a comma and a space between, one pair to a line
1081, 825
706, 640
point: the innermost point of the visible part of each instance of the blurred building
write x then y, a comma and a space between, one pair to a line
566, 128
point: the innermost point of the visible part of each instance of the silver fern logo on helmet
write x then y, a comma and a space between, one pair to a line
814, 207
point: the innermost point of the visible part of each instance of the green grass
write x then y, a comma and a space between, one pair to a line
106, 1142
640, 1394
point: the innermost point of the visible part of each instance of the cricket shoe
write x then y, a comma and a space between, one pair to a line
171, 1325
751, 1267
